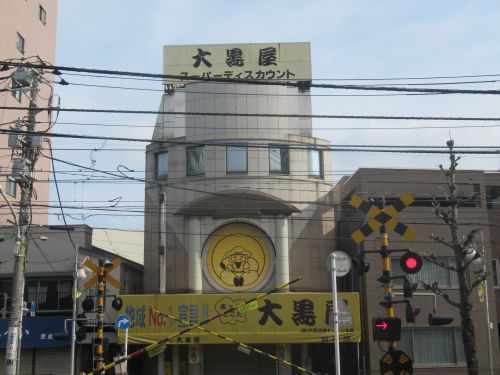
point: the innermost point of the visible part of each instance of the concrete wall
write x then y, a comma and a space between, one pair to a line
40, 40
311, 228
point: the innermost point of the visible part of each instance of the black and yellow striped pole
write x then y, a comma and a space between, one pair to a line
386, 268
250, 348
99, 340
159, 346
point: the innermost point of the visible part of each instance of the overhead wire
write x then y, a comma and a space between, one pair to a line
59, 68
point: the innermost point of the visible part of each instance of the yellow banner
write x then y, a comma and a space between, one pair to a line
278, 318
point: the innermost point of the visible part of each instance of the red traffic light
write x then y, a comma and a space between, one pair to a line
411, 262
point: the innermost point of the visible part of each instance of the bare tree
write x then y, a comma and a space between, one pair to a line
461, 247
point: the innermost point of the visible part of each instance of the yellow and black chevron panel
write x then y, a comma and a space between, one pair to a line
380, 217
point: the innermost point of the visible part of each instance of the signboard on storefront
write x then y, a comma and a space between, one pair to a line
38, 331
278, 318
262, 61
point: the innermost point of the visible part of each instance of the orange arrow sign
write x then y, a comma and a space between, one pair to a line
95, 269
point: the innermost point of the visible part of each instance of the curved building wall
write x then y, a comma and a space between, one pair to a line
309, 229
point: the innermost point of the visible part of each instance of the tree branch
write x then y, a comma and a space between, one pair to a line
430, 257
441, 241
435, 288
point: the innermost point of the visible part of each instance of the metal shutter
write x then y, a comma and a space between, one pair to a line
52, 361
226, 360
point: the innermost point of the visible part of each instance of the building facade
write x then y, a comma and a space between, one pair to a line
28, 30
433, 349
48, 297
236, 205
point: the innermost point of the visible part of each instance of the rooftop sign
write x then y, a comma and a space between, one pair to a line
262, 61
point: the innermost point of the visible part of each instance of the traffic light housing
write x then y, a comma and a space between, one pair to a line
440, 319
361, 264
117, 303
81, 333
411, 313
88, 304
386, 329
411, 262
408, 287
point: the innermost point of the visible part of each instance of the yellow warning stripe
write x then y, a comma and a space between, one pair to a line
258, 351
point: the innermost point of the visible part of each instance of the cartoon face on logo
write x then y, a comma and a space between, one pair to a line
239, 267
238, 257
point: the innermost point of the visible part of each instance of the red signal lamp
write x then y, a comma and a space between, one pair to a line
411, 262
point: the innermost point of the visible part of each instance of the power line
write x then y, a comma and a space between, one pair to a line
266, 115
336, 148
57, 69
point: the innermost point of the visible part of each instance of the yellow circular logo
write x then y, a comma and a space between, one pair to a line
238, 257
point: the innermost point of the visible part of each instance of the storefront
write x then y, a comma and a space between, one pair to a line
40, 353
288, 325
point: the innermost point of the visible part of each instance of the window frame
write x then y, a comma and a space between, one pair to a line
245, 171
49, 298
495, 264
20, 43
281, 148
42, 14
455, 333
201, 149
310, 173
162, 176
11, 187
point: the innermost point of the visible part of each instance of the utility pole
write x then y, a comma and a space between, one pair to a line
23, 174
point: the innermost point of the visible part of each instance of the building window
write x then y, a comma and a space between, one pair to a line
194, 161
161, 171
429, 346
430, 273
278, 160
42, 15
49, 294
315, 163
494, 272
493, 197
20, 43
236, 159
11, 187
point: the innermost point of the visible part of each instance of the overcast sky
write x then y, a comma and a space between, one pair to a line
349, 39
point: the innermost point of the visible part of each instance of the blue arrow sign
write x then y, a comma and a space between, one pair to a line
123, 322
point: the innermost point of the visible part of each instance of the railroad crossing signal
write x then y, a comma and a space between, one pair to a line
379, 217
396, 362
386, 329
95, 269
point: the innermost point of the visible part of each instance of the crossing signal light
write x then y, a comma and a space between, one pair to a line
408, 287
411, 313
386, 329
361, 264
411, 262
81, 333
88, 304
440, 319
